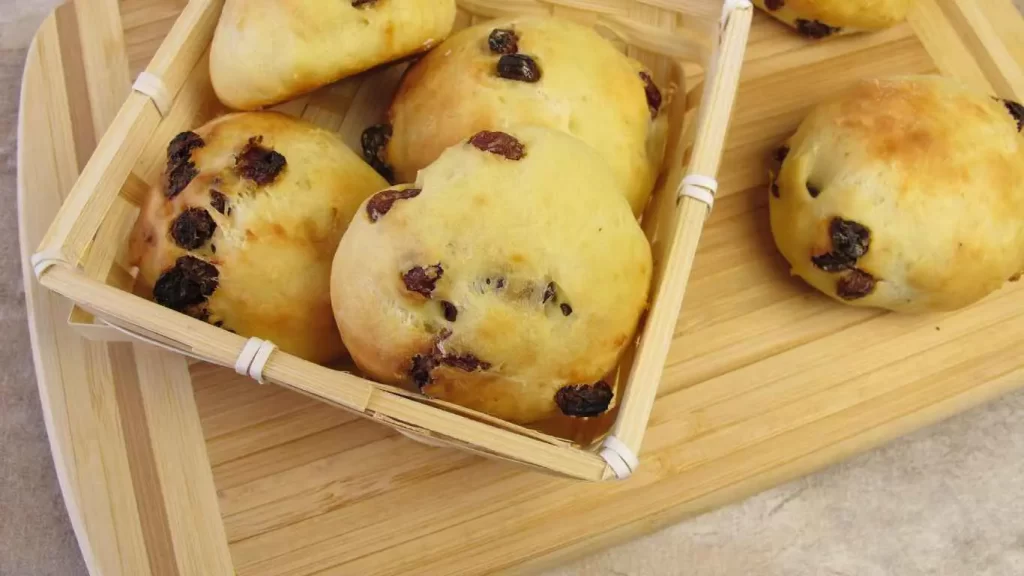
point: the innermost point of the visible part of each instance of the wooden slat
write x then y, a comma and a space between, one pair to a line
79, 402
185, 479
105, 63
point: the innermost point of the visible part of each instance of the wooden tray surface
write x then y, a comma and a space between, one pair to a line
168, 468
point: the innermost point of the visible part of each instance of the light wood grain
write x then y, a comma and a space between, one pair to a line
126, 437
76, 390
764, 380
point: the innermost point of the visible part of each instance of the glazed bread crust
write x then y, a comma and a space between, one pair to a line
584, 86
511, 269
267, 51
906, 194
261, 221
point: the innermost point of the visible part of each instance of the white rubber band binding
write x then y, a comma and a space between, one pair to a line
619, 457
253, 358
43, 261
698, 187
154, 87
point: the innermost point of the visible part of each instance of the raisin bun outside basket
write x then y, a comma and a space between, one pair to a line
242, 230
822, 18
530, 70
906, 194
507, 279
268, 51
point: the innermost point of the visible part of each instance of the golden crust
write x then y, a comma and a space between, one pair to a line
934, 171
587, 89
846, 15
274, 243
501, 231
268, 51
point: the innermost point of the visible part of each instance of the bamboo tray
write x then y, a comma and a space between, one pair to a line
171, 468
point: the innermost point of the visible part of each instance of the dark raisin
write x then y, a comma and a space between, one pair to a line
499, 143
499, 283
781, 153
814, 29
850, 241
503, 41
258, 163
1016, 277
179, 177
193, 228
774, 5
566, 309
849, 238
382, 202
584, 400
831, 262
451, 313
423, 280
813, 191
1017, 111
549, 292
855, 284
218, 201
422, 366
361, 3
652, 93
519, 67
189, 283
180, 149
375, 140
465, 362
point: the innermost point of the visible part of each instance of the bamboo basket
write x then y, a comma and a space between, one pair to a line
694, 47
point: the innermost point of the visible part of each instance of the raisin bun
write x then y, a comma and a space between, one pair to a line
821, 18
540, 71
242, 229
907, 194
507, 279
268, 51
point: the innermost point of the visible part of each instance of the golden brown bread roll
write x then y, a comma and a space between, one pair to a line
268, 51
242, 230
529, 70
906, 194
822, 18
507, 279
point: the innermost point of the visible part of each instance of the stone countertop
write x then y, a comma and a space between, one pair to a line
947, 500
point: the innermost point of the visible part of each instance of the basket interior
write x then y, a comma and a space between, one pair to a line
673, 44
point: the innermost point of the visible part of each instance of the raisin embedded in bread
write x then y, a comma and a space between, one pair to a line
500, 280
530, 70
905, 193
241, 230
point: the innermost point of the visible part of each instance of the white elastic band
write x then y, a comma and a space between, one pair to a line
253, 358
42, 261
619, 457
699, 187
729, 6
154, 87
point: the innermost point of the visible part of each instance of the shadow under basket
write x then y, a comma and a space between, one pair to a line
694, 50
